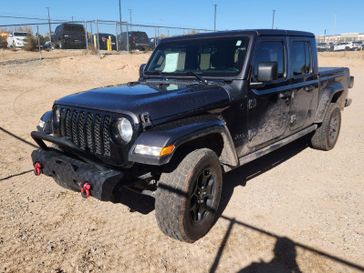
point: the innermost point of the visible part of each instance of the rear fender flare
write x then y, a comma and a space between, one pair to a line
325, 99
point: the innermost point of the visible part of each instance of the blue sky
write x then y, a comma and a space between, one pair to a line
309, 15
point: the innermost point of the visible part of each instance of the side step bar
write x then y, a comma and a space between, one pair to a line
251, 157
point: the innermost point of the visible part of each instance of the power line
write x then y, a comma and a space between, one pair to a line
28, 18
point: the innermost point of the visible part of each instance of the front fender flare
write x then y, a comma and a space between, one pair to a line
182, 132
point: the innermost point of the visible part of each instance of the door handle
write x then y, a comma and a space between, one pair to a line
284, 95
309, 88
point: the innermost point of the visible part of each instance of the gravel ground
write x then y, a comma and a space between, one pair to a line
297, 207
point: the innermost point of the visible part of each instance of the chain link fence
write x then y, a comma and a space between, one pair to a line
95, 35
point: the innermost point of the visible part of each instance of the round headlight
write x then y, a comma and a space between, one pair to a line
124, 129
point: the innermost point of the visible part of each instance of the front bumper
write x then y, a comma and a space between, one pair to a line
72, 174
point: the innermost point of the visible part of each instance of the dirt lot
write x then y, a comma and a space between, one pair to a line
296, 206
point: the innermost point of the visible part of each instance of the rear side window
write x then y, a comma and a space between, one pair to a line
141, 37
271, 51
301, 58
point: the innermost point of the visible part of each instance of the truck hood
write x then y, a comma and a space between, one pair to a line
162, 101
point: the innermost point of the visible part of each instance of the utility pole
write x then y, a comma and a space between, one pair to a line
273, 18
130, 18
49, 25
215, 10
325, 36
120, 18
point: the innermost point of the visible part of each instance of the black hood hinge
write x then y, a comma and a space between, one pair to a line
146, 121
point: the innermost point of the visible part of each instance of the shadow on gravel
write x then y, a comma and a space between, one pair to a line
285, 249
135, 201
14, 175
18, 137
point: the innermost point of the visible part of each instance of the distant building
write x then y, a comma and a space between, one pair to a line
343, 37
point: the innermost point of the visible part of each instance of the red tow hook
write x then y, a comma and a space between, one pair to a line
37, 168
85, 190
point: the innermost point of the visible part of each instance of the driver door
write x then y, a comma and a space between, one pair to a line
268, 102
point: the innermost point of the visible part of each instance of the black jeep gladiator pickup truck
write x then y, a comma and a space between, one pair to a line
204, 104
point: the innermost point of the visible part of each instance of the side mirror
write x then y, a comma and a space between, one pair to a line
267, 72
10, 35
141, 71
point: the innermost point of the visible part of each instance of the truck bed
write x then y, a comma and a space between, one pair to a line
328, 71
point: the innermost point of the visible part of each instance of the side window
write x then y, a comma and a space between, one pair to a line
301, 57
271, 51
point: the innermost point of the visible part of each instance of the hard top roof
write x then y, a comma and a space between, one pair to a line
255, 32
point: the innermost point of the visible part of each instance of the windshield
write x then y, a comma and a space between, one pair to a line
20, 34
75, 28
211, 57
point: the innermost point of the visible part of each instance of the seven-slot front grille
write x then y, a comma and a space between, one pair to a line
88, 130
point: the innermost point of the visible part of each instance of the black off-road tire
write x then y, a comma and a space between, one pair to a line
177, 191
326, 136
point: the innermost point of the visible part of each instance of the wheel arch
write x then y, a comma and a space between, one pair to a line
186, 135
333, 93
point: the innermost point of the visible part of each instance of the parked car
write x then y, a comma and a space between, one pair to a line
203, 104
321, 47
138, 40
69, 35
348, 46
17, 39
103, 40
358, 45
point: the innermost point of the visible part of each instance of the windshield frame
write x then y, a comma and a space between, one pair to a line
240, 76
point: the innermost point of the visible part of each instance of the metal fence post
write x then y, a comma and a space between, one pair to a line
38, 39
92, 33
127, 38
116, 37
155, 37
86, 35
97, 36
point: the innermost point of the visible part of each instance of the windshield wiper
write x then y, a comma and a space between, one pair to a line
199, 77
